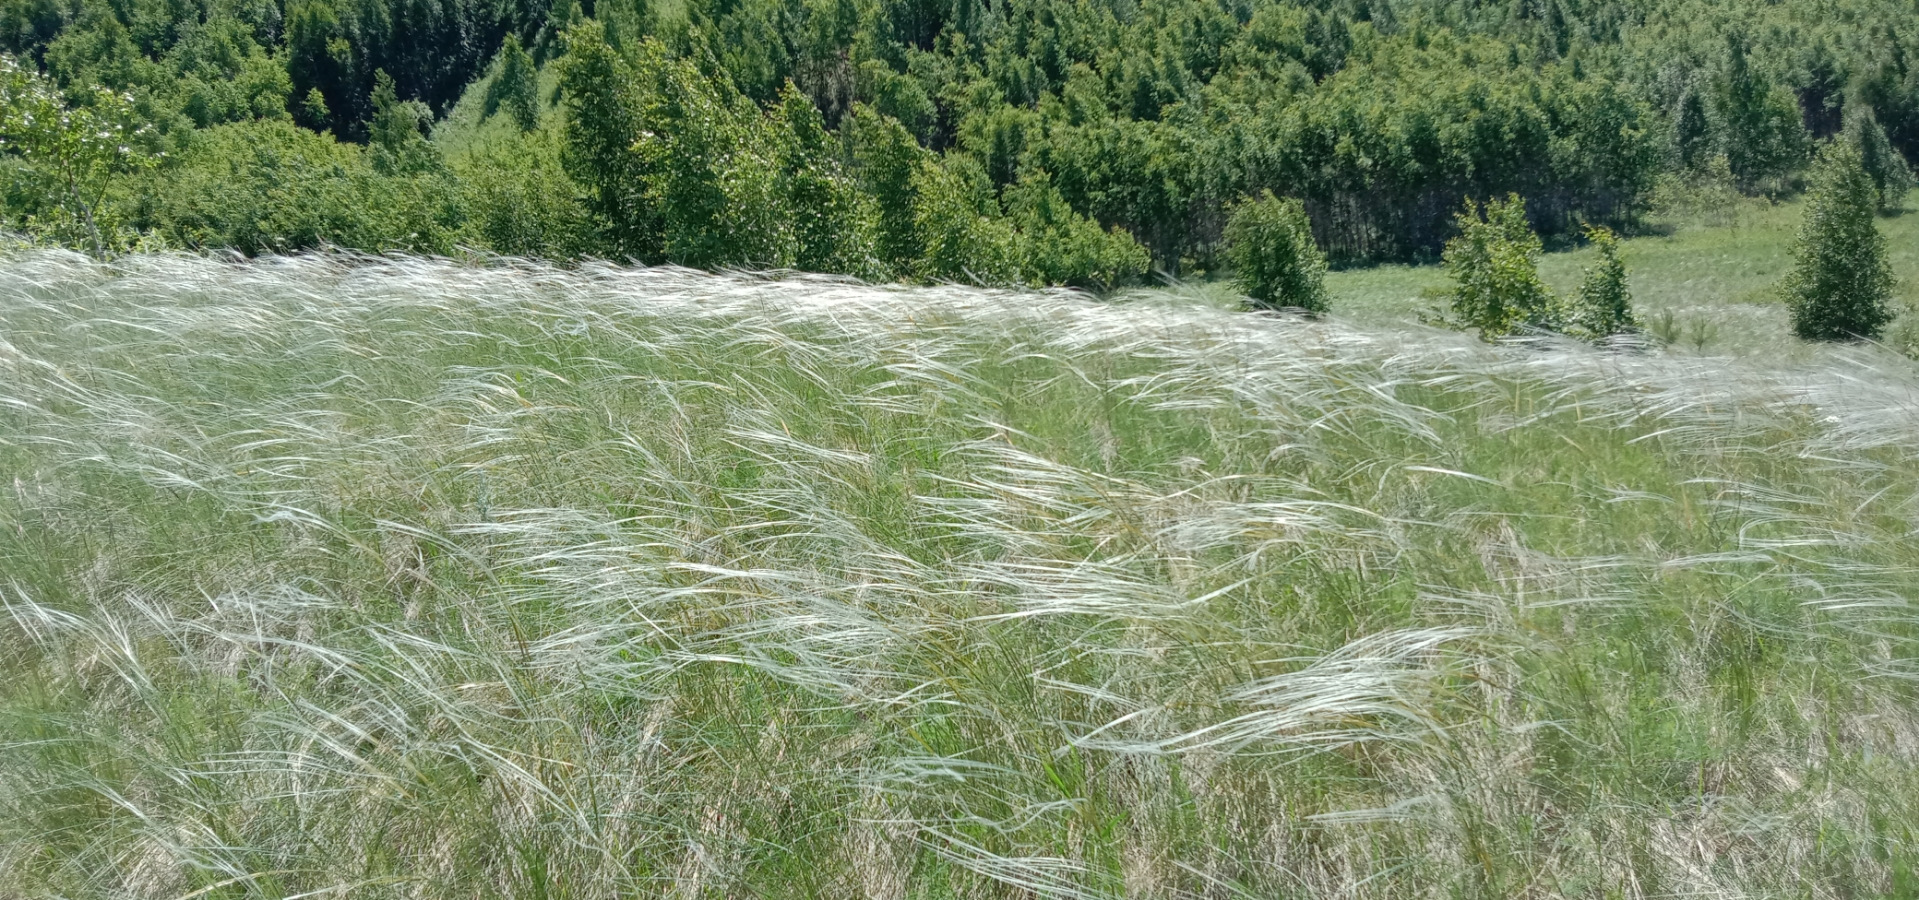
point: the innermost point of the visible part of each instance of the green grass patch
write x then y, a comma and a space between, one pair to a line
422, 579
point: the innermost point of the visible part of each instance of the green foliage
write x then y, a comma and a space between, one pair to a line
835, 224
1275, 262
886, 160
271, 187
397, 133
1061, 247
602, 121
1494, 264
1760, 130
1381, 118
519, 200
964, 238
66, 156
515, 88
1603, 306
710, 168
1841, 283
1890, 174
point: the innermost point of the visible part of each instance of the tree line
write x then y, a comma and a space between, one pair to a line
1057, 142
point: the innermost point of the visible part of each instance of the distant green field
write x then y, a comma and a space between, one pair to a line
1713, 278
404, 578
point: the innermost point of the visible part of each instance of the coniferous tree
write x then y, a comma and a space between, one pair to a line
964, 239
1760, 129
603, 119
1840, 287
515, 89
835, 224
1061, 247
887, 160
1889, 172
1691, 131
396, 132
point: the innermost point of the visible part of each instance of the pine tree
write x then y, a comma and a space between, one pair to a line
1276, 264
1840, 287
887, 160
834, 223
1691, 131
1760, 128
602, 120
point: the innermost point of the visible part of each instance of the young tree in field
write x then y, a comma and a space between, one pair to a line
72, 154
1604, 305
1494, 263
1275, 262
1841, 283
516, 88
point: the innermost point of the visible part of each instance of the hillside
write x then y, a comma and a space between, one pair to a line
398, 577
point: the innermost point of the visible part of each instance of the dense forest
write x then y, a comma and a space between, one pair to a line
1077, 142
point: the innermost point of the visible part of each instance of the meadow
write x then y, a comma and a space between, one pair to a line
398, 577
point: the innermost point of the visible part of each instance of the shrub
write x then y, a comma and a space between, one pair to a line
520, 202
1604, 304
956, 215
272, 187
1061, 247
1494, 263
1276, 264
1841, 283
65, 158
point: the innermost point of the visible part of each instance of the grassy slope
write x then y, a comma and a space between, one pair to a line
409, 579
1714, 281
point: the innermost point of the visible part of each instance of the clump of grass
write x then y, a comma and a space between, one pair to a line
400, 577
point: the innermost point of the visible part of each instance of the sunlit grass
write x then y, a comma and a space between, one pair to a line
1705, 288
417, 579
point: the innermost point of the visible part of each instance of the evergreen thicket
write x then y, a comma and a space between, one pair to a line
1037, 141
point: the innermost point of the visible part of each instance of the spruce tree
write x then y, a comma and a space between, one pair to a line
397, 131
1840, 287
1760, 128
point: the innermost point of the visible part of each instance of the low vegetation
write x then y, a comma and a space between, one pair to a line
418, 579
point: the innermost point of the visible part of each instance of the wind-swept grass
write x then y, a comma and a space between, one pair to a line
405, 578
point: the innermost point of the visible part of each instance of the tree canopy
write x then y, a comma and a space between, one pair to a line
1084, 143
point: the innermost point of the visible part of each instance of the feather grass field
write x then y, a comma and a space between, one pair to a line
330, 576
